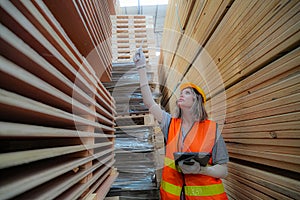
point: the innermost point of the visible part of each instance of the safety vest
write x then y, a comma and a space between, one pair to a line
201, 138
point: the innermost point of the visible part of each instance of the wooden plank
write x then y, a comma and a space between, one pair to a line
252, 55
242, 6
273, 142
278, 183
46, 68
17, 158
209, 78
232, 191
131, 32
204, 18
191, 42
51, 18
77, 191
104, 188
174, 28
266, 48
267, 155
289, 117
291, 150
54, 188
25, 23
131, 120
41, 91
247, 188
269, 128
12, 104
97, 54
270, 159
17, 182
33, 33
268, 77
272, 92
260, 134
276, 107
78, 16
14, 130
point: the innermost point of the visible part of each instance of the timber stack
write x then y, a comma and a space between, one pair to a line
245, 55
57, 118
135, 144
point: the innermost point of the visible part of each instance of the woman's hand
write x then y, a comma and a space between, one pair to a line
139, 59
216, 171
193, 167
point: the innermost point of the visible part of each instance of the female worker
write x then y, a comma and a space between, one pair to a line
188, 131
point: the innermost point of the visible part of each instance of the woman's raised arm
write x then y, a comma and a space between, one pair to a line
140, 63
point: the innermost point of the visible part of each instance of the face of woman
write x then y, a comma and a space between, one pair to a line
186, 99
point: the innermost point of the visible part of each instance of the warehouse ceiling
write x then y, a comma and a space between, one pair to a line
154, 8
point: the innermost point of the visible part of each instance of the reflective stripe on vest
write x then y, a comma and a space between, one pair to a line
206, 190
170, 188
171, 163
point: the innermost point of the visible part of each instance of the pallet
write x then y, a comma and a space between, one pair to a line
130, 32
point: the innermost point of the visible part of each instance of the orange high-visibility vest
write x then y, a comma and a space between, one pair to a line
201, 138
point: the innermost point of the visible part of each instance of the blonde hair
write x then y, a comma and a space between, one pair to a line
198, 109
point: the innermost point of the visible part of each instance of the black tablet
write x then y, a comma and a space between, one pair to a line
201, 157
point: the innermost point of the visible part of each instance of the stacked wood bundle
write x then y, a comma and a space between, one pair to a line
88, 26
57, 118
125, 88
136, 152
135, 147
245, 55
130, 32
136, 161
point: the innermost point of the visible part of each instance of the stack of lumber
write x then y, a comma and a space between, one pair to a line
125, 88
135, 143
135, 146
245, 55
135, 160
57, 118
88, 26
130, 32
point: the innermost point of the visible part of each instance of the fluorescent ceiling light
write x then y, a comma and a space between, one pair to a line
127, 3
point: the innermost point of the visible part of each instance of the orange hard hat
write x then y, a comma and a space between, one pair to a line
197, 88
